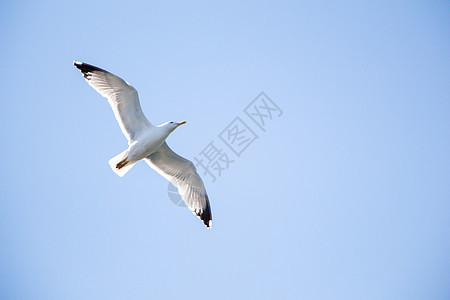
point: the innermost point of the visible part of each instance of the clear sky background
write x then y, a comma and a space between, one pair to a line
346, 195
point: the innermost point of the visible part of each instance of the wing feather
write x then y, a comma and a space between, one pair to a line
122, 97
183, 175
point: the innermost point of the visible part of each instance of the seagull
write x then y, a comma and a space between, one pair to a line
146, 141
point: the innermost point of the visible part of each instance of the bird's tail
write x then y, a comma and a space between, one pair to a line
119, 163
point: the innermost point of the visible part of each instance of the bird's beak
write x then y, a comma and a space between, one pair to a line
181, 123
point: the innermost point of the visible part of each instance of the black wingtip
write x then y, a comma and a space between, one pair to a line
86, 69
206, 215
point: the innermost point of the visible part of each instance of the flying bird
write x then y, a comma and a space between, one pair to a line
147, 142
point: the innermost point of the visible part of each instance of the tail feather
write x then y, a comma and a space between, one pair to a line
120, 165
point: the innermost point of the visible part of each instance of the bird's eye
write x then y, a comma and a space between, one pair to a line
171, 122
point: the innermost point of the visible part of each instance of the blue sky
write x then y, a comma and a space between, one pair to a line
344, 196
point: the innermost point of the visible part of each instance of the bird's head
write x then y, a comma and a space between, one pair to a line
172, 125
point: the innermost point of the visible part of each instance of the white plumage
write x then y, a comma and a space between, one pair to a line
147, 142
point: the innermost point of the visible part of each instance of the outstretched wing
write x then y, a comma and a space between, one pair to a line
183, 175
122, 97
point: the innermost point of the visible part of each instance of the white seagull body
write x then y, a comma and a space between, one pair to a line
147, 142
